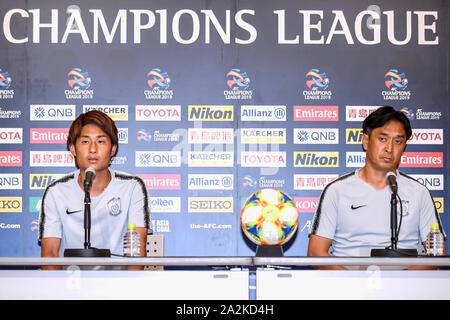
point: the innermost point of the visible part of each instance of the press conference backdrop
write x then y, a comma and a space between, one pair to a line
215, 100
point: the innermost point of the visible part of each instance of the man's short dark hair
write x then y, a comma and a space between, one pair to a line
383, 115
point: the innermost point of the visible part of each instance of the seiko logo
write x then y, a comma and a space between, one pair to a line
10, 204
210, 204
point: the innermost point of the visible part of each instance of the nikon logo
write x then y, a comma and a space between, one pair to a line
210, 113
42, 181
353, 136
316, 159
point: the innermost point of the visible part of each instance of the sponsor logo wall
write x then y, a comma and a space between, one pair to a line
213, 104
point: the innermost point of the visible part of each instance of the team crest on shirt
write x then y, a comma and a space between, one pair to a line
404, 208
114, 206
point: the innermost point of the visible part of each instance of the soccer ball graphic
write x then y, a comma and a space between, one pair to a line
269, 217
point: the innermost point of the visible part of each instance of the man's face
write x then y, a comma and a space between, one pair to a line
93, 148
384, 146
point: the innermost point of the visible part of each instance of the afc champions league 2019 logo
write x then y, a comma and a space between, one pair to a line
78, 79
238, 82
159, 82
396, 82
5, 83
5, 79
317, 82
79, 82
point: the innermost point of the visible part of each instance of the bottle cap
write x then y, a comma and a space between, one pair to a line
434, 226
131, 226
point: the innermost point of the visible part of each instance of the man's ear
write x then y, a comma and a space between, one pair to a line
113, 150
365, 141
72, 150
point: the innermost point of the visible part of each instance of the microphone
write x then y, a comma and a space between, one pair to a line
392, 180
89, 175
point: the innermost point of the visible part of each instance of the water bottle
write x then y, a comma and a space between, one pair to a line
131, 242
435, 241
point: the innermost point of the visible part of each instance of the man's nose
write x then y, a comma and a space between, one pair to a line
390, 146
93, 147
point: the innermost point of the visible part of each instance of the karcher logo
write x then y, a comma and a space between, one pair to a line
210, 113
10, 204
353, 136
316, 159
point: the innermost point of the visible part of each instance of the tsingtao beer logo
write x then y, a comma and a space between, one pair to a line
79, 82
317, 83
5, 83
237, 82
159, 82
396, 82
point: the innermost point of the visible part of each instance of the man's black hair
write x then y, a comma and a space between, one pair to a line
383, 115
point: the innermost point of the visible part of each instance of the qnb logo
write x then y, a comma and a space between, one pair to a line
394, 80
5, 80
158, 159
39, 112
315, 79
237, 80
78, 79
52, 112
158, 79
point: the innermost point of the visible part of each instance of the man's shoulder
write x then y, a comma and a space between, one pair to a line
344, 179
122, 176
411, 183
64, 180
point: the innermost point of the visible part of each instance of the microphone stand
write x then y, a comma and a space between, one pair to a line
392, 251
87, 251
394, 235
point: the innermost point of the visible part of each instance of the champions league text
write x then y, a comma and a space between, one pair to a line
186, 26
